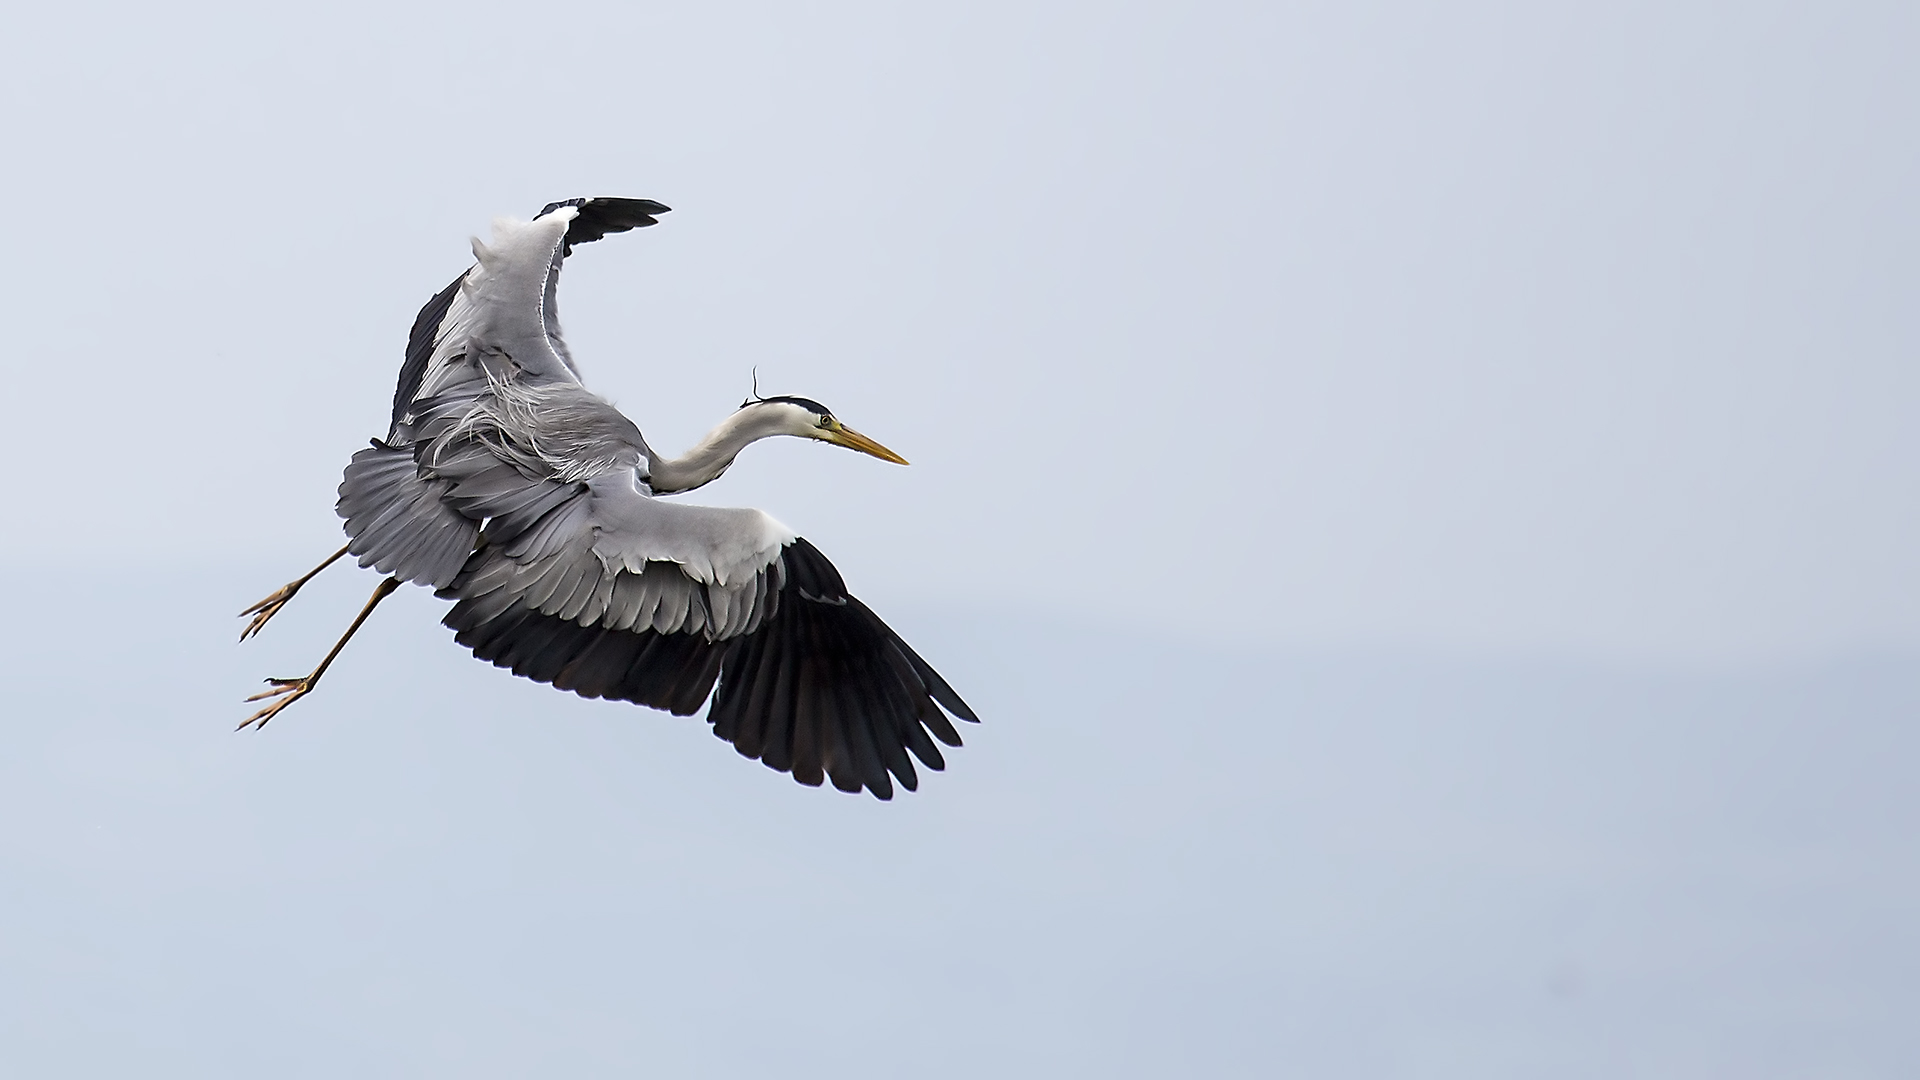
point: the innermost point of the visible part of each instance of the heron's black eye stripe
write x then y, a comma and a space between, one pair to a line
808, 404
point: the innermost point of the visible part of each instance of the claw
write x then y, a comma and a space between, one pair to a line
287, 690
267, 609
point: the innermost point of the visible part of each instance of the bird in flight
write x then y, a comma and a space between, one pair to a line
536, 507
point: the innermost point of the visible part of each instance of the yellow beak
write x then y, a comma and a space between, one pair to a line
842, 435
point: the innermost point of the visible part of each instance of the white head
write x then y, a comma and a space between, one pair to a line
808, 419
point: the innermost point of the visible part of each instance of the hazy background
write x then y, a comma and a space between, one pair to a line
1423, 497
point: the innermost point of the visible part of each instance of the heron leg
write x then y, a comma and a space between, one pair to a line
268, 608
281, 693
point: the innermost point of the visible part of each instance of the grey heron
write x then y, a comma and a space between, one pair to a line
536, 507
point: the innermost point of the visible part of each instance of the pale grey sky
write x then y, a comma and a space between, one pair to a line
1492, 327
1422, 496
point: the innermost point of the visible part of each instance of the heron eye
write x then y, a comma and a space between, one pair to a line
826, 421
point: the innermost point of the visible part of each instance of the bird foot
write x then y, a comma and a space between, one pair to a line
287, 691
268, 608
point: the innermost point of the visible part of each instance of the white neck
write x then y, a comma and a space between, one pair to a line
713, 454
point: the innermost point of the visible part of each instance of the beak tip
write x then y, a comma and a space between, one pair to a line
853, 440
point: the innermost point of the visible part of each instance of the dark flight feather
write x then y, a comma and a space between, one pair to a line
823, 689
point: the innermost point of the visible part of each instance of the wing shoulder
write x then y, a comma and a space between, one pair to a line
602, 552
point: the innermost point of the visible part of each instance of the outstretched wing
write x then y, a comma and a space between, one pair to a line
507, 297
495, 325
611, 593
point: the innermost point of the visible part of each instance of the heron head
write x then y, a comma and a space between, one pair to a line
811, 420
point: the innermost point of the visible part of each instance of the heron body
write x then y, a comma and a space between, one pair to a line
536, 507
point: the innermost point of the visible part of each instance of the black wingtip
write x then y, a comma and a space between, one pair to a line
607, 204
600, 216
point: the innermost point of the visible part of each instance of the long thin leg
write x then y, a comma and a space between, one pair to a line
289, 691
268, 608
